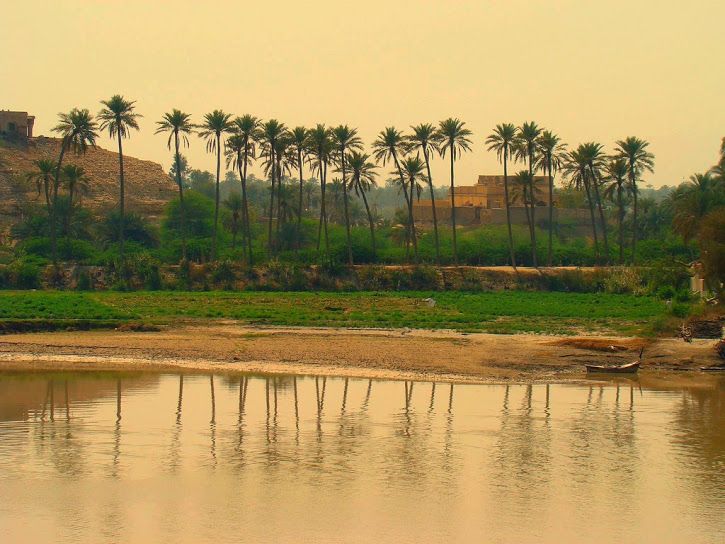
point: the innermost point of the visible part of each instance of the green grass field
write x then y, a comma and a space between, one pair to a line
498, 312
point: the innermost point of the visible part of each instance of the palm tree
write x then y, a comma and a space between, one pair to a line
594, 155
299, 147
269, 135
320, 144
453, 139
639, 160
692, 201
43, 179
178, 124
502, 140
247, 127
363, 178
78, 130
525, 148
215, 125
233, 203
551, 151
345, 139
234, 153
616, 172
119, 118
391, 145
525, 190
576, 168
425, 139
413, 172
75, 179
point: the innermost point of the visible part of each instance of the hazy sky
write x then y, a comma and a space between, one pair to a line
586, 70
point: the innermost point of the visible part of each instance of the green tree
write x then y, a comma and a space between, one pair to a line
639, 160
526, 147
179, 126
321, 147
42, 177
693, 201
118, 117
270, 134
78, 130
234, 204
551, 151
391, 145
503, 140
594, 156
576, 169
453, 139
616, 173
345, 139
413, 173
425, 138
299, 149
363, 179
77, 182
247, 126
215, 125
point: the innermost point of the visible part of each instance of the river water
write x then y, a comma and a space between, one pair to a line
123, 457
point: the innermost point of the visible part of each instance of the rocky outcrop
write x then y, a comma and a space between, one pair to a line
148, 187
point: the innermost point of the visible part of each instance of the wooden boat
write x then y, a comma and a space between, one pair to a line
629, 368
713, 368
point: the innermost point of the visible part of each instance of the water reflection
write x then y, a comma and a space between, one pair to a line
286, 458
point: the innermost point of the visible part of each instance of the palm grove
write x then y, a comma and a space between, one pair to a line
317, 201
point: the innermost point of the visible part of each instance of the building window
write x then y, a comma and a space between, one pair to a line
12, 127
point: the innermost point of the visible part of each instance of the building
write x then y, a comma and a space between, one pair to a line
16, 124
483, 203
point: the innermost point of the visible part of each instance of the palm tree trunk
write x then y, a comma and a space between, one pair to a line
529, 223
601, 215
532, 222
54, 209
413, 233
182, 205
453, 210
247, 223
551, 211
271, 203
620, 205
280, 217
408, 205
591, 214
344, 205
634, 218
123, 195
299, 205
370, 218
432, 205
508, 206
216, 197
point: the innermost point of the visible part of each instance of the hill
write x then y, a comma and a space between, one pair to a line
148, 187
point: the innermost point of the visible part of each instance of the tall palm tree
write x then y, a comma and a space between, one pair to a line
391, 145
502, 140
363, 178
233, 203
270, 134
78, 130
693, 200
425, 138
526, 191
414, 174
76, 181
42, 177
639, 159
616, 173
118, 117
319, 141
453, 139
345, 139
215, 125
551, 151
526, 147
299, 148
576, 169
235, 147
594, 154
247, 127
178, 124
284, 161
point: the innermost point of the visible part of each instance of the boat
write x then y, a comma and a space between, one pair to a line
713, 368
629, 368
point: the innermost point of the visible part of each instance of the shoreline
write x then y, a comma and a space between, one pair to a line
404, 354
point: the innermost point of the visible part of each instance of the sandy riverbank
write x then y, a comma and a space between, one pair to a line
370, 353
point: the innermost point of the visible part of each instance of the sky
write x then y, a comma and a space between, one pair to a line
587, 70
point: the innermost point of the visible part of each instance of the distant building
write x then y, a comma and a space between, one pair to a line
16, 124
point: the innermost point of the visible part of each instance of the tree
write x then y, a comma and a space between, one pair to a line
78, 130
215, 125
576, 168
363, 178
233, 203
616, 173
299, 148
593, 153
413, 172
75, 179
453, 139
321, 146
391, 145
178, 124
693, 201
551, 151
639, 159
525, 190
270, 134
247, 126
42, 177
118, 117
425, 139
502, 140
345, 139
526, 147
